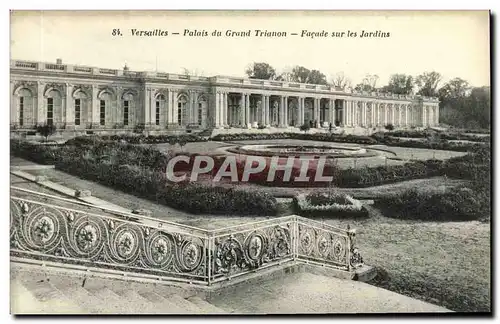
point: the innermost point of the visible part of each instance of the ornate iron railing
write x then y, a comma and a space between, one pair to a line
50, 231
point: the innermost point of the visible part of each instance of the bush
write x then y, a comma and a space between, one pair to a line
305, 127
140, 171
46, 130
389, 127
463, 204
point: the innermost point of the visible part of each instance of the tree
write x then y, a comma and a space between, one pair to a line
399, 84
46, 130
316, 77
341, 81
261, 70
300, 74
303, 75
454, 89
369, 83
428, 83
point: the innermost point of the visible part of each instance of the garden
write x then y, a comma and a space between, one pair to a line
410, 235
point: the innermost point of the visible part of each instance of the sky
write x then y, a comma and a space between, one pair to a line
453, 43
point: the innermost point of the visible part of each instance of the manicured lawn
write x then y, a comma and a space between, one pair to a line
403, 153
447, 264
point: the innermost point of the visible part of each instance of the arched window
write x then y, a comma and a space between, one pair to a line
181, 109
53, 105
80, 102
25, 100
128, 104
202, 111
104, 102
160, 103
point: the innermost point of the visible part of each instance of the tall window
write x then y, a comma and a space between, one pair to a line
323, 116
179, 113
200, 113
102, 114
125, 112
157, 117
50, 111
21, 111
78, 103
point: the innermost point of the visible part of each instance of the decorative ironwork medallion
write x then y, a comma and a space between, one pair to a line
255, 247
306, 241
88, 237
42, 226
159, 249
339, 249
190, 256
323, 245
126, 244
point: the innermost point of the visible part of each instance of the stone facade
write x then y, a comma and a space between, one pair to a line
74, 97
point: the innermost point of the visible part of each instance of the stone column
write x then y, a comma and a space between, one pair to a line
70, 107
174, 120
40, 104
216, 110
247, 110
285, 119
223, 109
96, 107
281, 112
262, 107
268, 117
301, 112
242, 110
347, 112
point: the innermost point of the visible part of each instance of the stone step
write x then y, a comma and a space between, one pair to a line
185, 304
79, 295
137, 303
206, 306
114, 304
164, 306
52, 299
22, 300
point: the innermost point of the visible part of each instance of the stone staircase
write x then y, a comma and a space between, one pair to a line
36, 291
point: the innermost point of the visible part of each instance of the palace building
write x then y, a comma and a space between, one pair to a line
75, 97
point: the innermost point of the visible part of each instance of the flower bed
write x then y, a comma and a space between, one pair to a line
146, 180
329, 205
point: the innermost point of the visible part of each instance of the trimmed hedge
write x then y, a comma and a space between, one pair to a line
145, 181
377, 138
462, 204
457, 136
137, 139
298, 136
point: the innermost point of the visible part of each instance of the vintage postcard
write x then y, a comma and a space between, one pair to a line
250, 162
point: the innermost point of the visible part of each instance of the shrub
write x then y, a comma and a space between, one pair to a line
463, 204
389, 127
140, 171
305, 127
46, 130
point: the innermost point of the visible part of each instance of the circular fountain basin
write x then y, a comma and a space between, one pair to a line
318, 150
